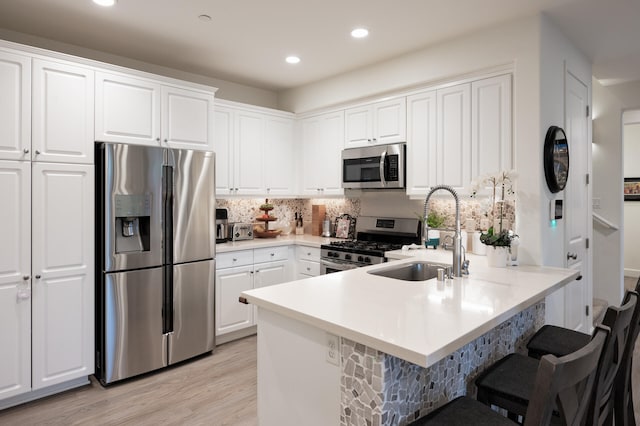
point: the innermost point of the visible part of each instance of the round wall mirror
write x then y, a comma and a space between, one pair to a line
556, 159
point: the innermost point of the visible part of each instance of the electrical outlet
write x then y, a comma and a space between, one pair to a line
596, 203
333, 349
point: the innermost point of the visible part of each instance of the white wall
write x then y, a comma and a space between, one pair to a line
226, 89
631, 143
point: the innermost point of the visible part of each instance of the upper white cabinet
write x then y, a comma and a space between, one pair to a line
63, 101
15, 278
453, 152
15, 106
144, 112
378, 123
491, 118
254, 152
421, 142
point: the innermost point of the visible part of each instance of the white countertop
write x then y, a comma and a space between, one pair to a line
419, 321
281, 240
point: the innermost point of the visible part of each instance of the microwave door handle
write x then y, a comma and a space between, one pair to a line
383, 156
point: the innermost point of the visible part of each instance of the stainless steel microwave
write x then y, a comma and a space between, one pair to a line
379, 166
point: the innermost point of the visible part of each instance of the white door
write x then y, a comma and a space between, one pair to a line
358, 123
279, 156
578, 205
223, 148
15, 278
127, 110
15, 107
186, 119
454, 135
232, 315
421, 143
63, 113
390, 121
249, 153
63, 273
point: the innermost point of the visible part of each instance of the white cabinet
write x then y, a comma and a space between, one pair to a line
63, 273
15, 106
378, 123
254, 152
308, 262
15, 278
322, 139
491, 114
421, 142
242, 270
145, 112
453, 165
63, 102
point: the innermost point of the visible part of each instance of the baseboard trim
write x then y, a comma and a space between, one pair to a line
41, 393
634, 273
235, 335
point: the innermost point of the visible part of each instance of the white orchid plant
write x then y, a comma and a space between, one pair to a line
501, 185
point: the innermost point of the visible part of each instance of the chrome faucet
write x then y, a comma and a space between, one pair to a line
458, 264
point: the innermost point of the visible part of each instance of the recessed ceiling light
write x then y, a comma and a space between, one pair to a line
359, 33
205, 18
105, 3
292, 59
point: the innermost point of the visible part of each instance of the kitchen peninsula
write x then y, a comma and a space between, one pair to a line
354, 348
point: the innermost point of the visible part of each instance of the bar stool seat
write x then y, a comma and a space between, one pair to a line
463, 411
558, 341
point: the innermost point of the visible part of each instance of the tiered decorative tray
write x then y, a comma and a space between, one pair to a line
266, 218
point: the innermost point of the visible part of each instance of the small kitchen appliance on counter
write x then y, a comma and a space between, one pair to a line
241, 231
375, 236
222, 226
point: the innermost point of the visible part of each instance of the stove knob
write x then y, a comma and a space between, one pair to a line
332, 254
347, 257
367, 260
360, 259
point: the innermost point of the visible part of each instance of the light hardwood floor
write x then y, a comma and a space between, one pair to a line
219, 389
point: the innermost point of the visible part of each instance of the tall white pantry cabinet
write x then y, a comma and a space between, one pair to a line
46, 223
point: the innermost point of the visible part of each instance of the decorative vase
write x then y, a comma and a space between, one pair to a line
497, 256
433, 239
479, 247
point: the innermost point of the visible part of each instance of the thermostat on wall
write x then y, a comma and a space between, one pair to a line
555, 209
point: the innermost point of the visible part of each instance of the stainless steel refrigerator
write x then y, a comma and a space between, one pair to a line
155, 257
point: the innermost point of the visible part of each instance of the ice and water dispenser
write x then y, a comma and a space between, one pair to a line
132, 222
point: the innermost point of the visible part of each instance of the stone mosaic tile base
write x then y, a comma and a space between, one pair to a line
380, 389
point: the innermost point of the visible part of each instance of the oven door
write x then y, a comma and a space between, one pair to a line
329, 266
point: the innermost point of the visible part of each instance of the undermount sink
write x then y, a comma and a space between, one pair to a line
414, 271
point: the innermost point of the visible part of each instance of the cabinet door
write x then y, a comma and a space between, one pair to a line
127, 110
249, 154
63, 113
422, 132
63, 274
15, 106
454, 135
223, 149
232, 315
491, 125
358, 123
329, 160
271, 273
186, 119
390, 121
279, 156
311, 167
15, 271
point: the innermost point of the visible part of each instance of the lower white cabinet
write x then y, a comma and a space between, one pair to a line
308, 262
242, 270
46, 275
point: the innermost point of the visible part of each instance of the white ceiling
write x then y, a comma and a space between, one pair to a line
247, 40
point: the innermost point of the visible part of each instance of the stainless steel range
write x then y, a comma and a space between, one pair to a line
374, 237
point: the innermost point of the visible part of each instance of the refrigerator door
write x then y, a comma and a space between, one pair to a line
129, 206
193, 316
133, 342
194, 210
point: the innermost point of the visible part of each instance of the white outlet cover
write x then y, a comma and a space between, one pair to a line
333, 349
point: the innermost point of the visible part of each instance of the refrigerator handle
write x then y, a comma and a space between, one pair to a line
167, 205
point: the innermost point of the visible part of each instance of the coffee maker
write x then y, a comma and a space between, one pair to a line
222, 225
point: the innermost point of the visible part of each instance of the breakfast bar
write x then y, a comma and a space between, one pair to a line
354, 348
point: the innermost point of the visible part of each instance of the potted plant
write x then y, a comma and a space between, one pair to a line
499, 244
435, 222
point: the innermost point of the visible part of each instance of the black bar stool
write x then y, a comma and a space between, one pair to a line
566, 383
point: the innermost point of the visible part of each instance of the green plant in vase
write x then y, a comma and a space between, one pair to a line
435, 223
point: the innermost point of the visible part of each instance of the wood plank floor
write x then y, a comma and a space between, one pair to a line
219, 389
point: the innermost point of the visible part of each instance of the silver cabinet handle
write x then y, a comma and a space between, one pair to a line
273, 254
37, 152
26, 150
573, 256
157, 139
25, 277
38, 277
166, 140
235, 260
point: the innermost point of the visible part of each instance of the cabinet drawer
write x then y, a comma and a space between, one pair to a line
270, 254
309, 253
308, 268
234, 258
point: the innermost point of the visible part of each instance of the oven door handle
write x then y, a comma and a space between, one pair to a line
338, 265
383, 156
